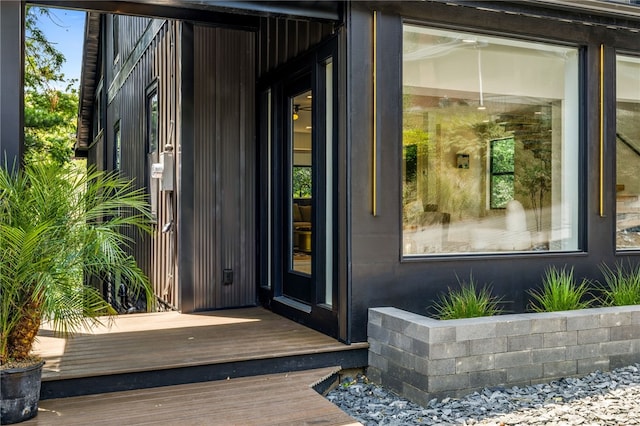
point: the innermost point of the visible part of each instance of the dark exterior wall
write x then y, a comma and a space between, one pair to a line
379, 276
131, 30
281, 39
95, 142
96, 152
285, 47
11, 82
127, 106
219, 163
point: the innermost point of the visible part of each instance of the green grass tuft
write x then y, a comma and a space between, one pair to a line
560, 292
621, 286
467, 302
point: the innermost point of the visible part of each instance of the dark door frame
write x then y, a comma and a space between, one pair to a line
318, 314
295, 284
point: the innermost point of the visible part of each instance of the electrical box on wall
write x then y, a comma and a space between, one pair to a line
156, 171
166, 159
227, 276
164, 169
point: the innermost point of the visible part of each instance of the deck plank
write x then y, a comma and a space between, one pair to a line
276, 399
154, 341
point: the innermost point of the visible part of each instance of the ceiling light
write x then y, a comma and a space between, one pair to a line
481, 107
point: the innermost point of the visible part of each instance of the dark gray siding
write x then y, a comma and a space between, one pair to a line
96, 152
154, 253
224, 168
131, 30
282, 39
11, 81
379, 276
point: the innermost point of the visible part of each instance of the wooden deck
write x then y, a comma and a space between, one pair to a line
160, 349
277, 399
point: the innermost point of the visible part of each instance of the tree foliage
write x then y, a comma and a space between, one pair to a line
49, 113
302, 182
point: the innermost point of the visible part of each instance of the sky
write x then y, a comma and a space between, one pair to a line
65, 29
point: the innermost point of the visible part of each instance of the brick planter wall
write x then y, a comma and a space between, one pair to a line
422, 358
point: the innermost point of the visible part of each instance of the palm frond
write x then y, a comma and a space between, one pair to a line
58, 225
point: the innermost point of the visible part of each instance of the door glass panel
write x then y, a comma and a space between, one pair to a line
301, 173
627, 153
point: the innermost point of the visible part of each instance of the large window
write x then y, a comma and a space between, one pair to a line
490, 144
628, 153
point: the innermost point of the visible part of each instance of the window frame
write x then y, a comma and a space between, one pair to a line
493, 174
581, 79
152, 155
115, 38
117, 147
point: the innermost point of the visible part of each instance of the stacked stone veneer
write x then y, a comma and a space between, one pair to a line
422, 358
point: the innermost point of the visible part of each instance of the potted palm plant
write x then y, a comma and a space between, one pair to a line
58, 225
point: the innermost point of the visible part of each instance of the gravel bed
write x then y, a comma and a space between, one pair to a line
611, 398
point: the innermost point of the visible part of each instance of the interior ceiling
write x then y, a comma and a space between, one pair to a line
304, 122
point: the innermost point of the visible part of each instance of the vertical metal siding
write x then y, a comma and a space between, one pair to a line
131, 29
282, 39
154, 252
224, 167
205, 256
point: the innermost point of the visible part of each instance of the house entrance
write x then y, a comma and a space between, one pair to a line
302, 169
300, 203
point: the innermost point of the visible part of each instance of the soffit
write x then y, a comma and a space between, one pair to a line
210, 10
88, 76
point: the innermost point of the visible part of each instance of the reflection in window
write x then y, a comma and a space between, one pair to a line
152, 145
627, 153
116, 38
117, 148
301, 183
502, 167
97, 110
490, 144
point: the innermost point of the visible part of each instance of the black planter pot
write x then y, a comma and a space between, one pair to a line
19, 393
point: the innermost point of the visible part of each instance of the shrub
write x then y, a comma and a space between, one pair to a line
621, 286
560, 292
467, 302
58, 225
